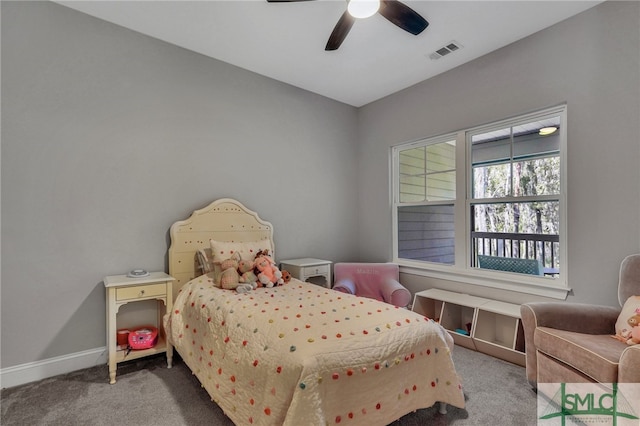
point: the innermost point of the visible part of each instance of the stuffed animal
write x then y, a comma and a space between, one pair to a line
634, 339
247, 276
634, 320
634, 333
264, 252
631, 335
286, 276
230, 278
267, 272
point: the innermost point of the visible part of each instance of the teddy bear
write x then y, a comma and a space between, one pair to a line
631, 335
264, 252
634, 334
230, 278
247, 276
286, 276
266, 270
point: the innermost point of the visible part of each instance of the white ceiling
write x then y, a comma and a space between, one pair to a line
285, 41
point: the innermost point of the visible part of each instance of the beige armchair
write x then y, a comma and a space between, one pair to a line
572, 343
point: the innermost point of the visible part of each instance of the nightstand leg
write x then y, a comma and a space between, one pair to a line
169, 356
112, 373
112, 311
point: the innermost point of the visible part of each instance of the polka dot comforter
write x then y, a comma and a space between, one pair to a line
301, 354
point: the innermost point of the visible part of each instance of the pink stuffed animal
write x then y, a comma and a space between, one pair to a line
267, 272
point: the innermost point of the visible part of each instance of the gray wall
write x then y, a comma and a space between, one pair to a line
109, 137
591, 62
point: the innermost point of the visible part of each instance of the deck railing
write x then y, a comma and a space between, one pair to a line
545, 248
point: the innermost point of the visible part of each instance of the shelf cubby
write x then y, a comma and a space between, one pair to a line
494, 327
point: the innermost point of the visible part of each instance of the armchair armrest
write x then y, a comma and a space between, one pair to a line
576, 317
395, 293
629, 367
345, 286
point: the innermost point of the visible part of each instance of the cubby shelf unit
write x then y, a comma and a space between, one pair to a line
484, 325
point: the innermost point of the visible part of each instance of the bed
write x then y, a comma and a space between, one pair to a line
298, 353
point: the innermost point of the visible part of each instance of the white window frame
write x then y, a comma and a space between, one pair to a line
461, 271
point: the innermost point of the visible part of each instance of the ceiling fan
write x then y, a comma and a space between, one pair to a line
394, 11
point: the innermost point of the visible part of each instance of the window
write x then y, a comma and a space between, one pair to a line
484, 202
515, 209
426, 193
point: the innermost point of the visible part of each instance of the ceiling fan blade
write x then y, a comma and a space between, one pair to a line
340, 31
403, 16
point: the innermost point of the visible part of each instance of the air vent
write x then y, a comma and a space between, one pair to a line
445, 50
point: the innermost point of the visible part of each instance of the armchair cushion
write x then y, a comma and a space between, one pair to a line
594, 355
373, 280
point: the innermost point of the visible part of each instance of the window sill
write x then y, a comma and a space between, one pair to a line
539, 286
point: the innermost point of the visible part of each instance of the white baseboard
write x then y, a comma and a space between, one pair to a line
38, 370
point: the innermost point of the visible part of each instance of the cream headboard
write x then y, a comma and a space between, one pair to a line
222, 220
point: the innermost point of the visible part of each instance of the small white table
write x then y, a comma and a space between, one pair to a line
309, 269
121, 290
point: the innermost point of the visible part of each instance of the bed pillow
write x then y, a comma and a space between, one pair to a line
205, 260
208, 266
222, 250
629, 317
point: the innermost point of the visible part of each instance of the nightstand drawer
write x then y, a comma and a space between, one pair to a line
310, 271
139, 291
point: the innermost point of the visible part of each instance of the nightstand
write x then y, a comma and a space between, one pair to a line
316, 271
122, 289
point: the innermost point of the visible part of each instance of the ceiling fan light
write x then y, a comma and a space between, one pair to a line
547, 131
363, 8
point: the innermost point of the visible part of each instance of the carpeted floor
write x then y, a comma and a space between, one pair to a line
147, 393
